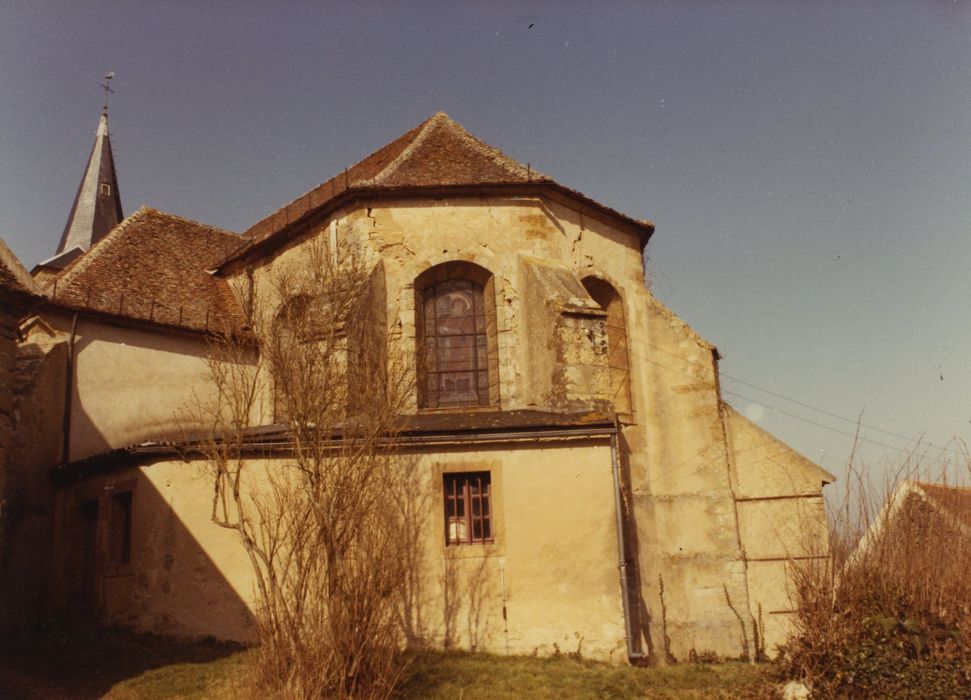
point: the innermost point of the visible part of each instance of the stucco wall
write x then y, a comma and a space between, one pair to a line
132, 385
782, 519
553, 562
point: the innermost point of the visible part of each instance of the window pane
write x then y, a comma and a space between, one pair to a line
467, 508
454, 344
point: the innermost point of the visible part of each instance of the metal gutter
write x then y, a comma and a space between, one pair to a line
632, 653
68, 394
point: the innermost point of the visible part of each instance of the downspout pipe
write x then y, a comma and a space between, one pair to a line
632, 653
68, 394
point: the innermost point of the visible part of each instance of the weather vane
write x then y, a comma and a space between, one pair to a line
107, 87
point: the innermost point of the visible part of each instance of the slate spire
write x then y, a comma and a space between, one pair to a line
97, 205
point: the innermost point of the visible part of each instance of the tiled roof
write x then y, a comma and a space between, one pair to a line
154, 267
438, 153
13, 277
482, 427
954, 500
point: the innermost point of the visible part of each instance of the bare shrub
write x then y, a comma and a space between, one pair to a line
888, 613
314, 504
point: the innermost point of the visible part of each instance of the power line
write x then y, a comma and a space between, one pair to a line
843, 432
851, 421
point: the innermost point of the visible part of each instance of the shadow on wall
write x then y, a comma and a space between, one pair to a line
124, 556
129, 386
446, 600
38, 402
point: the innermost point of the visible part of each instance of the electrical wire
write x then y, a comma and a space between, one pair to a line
851, 421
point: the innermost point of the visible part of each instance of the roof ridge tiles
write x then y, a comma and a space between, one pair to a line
440, 120
194, 222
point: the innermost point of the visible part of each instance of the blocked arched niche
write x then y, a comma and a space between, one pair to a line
618, 357
455, 332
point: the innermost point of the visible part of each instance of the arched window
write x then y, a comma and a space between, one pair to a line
617, 358
456, 334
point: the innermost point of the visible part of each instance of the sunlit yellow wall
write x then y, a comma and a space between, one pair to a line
553, 562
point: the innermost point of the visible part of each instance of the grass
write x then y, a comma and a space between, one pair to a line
123, 666
435, 675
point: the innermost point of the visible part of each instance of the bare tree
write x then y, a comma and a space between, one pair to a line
317, 516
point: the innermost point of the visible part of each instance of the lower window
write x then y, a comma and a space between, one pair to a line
468, 508
120, 552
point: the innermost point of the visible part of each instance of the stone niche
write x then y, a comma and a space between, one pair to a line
565, 331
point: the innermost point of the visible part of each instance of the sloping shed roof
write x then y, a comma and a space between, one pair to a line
14, 279
476, 427
154, 267
438, 154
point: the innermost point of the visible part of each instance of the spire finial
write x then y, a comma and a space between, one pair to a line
107, 88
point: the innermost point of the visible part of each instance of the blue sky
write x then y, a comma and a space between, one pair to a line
807, 164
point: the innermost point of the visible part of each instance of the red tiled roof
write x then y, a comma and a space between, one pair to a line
154, 267
438, 153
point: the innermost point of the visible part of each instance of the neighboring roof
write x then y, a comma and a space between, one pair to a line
953, 500
154, 267
438, 154
59, 261
480, 427
14, 279
97, 204
951, 505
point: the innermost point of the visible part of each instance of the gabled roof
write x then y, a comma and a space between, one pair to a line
97, 204
13, 277
950, 507
154, 267
438, 154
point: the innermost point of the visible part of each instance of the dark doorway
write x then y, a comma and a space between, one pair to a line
83, 558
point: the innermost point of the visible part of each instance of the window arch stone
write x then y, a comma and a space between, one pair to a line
455, 332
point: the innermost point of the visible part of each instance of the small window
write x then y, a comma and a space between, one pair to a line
121, 528
468, 508
105, 189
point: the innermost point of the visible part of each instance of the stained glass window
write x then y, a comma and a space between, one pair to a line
455, 362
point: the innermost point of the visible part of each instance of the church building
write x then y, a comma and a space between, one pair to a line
579, 461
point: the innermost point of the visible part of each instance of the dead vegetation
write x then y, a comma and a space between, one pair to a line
888, 614
318, 517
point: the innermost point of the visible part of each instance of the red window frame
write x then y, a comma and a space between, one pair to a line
468, 508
